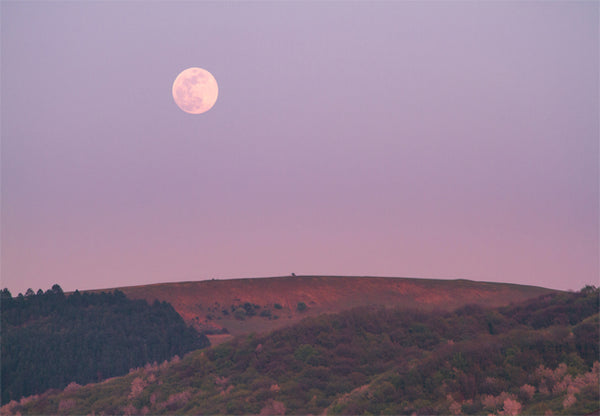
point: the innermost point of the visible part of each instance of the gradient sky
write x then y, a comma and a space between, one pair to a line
416, 139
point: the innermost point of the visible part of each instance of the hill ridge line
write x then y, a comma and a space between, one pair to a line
263, 278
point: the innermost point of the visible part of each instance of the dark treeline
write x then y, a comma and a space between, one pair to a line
50, 339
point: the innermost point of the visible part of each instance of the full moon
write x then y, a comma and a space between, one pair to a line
195, 90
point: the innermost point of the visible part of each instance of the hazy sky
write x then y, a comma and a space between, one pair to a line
417, 139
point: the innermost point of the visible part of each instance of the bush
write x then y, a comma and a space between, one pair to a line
249, 308
240, 314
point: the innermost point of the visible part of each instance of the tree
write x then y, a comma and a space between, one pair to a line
57, 290
6, 299
589, 289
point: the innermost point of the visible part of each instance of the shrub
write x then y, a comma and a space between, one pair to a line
273, 407
65, 405
304, 352
249, 308
240, 314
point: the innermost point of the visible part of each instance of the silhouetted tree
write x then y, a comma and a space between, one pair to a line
57, 290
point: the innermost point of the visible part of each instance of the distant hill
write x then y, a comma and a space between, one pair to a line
535, 357
261, 304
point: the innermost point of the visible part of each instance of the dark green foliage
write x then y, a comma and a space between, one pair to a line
240, 314
250, 308
301, 306
556, 309
50, 339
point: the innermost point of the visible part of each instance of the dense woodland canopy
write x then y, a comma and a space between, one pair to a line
536, 357
50, 339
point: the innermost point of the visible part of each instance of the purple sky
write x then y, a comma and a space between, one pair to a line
417, 139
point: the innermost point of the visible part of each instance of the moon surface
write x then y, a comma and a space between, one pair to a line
195, 90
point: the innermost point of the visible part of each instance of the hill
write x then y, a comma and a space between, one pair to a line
536, 357
242, 306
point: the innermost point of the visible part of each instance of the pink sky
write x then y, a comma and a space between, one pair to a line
413, 139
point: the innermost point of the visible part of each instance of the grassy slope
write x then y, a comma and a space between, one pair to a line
195, 301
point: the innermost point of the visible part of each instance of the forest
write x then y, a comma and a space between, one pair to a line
536, 357
50, 339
